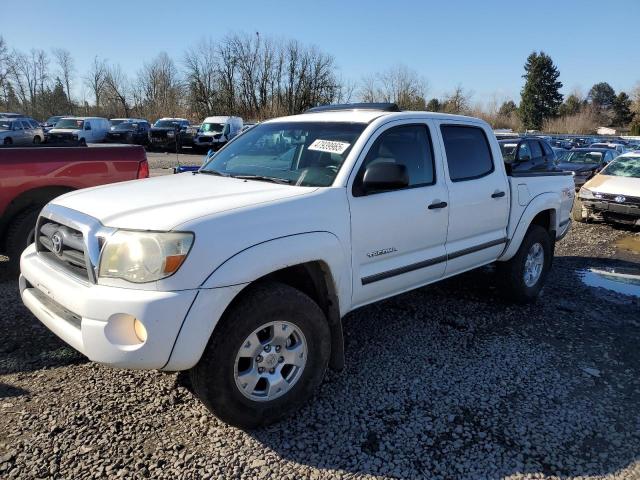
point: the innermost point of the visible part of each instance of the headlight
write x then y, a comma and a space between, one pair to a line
585, 193
141, 257
171, 134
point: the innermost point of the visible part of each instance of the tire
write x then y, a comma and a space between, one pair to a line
576, 213
7, 141
82, 142
20, 234
512, 272
214, 378
37, 140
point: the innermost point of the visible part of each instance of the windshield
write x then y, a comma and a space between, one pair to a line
118, 121
70, 123
212, 127
124, 126
584, 157
297, 153
167, 124
561, 155
623, 167
53, 120
508, 151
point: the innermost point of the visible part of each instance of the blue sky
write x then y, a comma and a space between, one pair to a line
481, 45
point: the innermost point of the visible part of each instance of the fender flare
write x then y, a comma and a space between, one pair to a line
540, 203
230, 278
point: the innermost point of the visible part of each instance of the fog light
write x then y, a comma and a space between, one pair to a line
140, 331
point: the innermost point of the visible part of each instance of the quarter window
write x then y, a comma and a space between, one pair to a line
468, 152
408, 145
535, 149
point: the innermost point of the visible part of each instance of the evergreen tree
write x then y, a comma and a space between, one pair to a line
507, 108
433, 105
602, 95
571, 105
622, 110
541, 95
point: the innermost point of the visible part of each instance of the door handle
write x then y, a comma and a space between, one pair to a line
437, 205
497, 194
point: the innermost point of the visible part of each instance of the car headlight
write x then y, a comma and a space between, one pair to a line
171, 134
141, 257
585, 193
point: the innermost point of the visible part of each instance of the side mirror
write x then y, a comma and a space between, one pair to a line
87, 127
385, 176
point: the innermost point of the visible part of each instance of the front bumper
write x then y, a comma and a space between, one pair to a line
97, 320
605, 206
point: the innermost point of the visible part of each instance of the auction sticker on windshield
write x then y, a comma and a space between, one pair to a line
330, 146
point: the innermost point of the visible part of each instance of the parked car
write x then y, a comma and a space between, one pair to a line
242, 272
50, 123
584, 163
527, 154
215, 132
20, 131
618, 147
29, 178
561, 143
128, 130
167, 133
10, 115
190, 133
614, 192
79, 131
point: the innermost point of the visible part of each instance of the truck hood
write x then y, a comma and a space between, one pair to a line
65, 130
164, 203
613, 185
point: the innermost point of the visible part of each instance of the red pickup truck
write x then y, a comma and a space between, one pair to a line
31, 177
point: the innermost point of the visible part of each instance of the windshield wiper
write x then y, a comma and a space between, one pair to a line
212, 172
280, 181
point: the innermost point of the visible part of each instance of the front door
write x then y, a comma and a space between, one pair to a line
398, 235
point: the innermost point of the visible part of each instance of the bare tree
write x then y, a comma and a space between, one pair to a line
202, 77
161, 87
458, 101
398, 84
96, 79
29, 74
116, 89
66, 68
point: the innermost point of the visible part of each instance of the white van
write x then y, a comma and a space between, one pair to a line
79, 130
216, 131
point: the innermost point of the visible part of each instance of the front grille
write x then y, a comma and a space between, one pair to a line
612, 198
158, 134
63, 246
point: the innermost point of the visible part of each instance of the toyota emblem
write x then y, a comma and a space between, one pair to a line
620, 199
56, 241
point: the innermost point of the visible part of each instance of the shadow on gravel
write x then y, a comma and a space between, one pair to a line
452, 378
8, 391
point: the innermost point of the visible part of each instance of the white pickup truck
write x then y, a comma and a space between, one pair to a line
242, 271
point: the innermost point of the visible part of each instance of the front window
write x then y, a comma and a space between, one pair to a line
167, 124
623, 167
584, 157
71, 123
295, 153
509, 151
212, 128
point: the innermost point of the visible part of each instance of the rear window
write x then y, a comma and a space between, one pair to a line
468, 152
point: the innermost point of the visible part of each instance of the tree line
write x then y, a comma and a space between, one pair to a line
259, 77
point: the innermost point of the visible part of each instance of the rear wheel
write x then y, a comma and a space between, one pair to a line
7, 141
265, 359
20, 235
524, 275
36, 140
82, 142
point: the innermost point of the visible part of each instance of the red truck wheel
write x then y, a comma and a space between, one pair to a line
20, 235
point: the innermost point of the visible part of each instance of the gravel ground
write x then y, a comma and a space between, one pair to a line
448, 381
162, 163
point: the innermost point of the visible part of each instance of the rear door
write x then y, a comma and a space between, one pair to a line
478, 196
398, 236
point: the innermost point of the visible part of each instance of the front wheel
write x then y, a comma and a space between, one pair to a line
524, 275
266, 357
